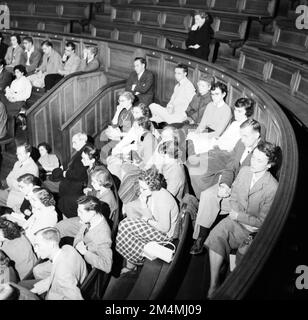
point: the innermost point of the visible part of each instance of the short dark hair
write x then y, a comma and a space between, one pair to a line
182, 66
46, 146
10, 229
27, 146
153, 178
146, 111
92, 152
45, 197
47, 43
90, 203
271, 151
223, 88
142, 60
254, 124
2, 62
171, 148
21, 68
248, 104
29, 178
17, 36
145, 123
70, 44
103, 177
28, 39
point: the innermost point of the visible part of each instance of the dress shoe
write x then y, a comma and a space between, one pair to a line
197, 247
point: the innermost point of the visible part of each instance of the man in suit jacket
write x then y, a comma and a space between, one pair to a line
89, 61
211, 198
31, 57
70, 64
141, 82
68, 267
75, 178
3, 47
252, 194
92, 237
51, 64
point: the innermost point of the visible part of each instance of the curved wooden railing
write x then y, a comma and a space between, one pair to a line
47, 116
93, 114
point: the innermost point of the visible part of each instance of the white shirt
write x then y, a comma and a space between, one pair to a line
182, 96
28, 55
20, 89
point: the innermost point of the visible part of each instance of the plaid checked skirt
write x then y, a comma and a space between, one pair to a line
132, 235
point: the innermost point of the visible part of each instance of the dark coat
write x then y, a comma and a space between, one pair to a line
145, 86
6, 78
71, 187
202, 37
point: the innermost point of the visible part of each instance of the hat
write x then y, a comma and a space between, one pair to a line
56, 175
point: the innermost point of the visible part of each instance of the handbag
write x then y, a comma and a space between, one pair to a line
154, 249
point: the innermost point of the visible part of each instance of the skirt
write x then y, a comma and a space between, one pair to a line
133, 235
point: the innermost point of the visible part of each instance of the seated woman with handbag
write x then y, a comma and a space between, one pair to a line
152, 217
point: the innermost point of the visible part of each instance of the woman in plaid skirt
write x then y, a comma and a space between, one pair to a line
152, 217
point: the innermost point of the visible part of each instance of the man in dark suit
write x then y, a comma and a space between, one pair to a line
75, 178
211, 199
31, 57
141, 82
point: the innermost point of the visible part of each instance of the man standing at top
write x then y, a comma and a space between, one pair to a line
70, 64
141, 82
182, 95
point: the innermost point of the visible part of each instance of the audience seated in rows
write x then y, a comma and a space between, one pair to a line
51, 63
141, 82
215, 152
247, 206
152, 217
182, 95
92, 239
10, 194
211, 198
70, 64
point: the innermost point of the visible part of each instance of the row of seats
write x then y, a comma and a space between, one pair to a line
286, 80
54, 16
258, 8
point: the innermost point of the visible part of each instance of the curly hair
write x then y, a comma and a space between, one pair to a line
10, 229
45, 197
145, 110
144, 123
271, 151
152, 178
